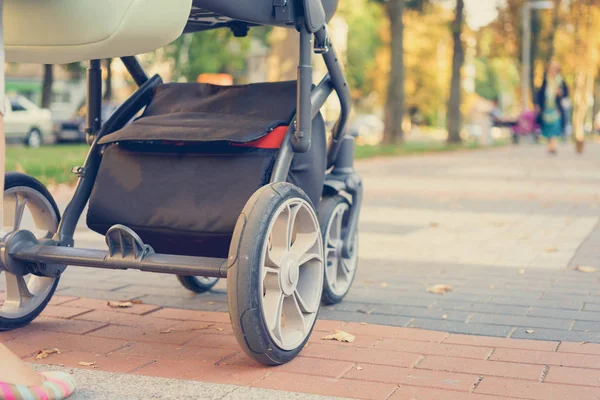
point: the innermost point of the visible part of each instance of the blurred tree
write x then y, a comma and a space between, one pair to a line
395, 96
458, 59
394, 109
215, 51
108, 82
47, 83
364, 17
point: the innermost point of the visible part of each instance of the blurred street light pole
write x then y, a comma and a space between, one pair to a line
526, 62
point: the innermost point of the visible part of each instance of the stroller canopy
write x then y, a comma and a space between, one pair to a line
64, 31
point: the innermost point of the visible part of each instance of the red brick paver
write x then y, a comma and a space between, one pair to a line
382, 363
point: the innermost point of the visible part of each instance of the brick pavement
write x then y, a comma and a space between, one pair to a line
504, 227
382, 363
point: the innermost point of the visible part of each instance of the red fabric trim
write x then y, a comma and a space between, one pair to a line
271, 140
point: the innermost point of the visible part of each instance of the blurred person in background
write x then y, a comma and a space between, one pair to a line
550, 105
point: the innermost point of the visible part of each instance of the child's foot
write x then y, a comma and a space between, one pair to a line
55, 386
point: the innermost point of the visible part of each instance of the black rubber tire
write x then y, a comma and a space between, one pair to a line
32, 132
15, 179
245, 253
193, 284
326, 208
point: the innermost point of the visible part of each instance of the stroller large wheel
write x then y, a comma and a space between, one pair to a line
27, 205
197, 284
275, 273
339, 270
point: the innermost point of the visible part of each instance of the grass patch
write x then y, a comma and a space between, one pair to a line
409, 148
49, 164
52, 164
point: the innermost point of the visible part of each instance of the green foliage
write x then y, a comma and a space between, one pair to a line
364, 19
49, 164
214, 51
486, 81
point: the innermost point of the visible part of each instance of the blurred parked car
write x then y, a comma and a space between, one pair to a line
73, 130
27, 123
369, 128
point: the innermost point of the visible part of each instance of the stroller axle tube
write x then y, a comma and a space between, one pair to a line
161, 263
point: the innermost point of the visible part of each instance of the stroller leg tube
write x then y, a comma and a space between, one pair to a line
302, 136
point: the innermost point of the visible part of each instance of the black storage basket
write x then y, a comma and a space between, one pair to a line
181, 174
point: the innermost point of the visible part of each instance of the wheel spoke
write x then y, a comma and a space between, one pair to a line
303, 243
331, 269
294, 317
17, 293
304, 306
270, 270
21, 202
274, 254
310, 256
291, 223
273, 305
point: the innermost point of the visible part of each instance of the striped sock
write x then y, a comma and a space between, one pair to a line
57, 386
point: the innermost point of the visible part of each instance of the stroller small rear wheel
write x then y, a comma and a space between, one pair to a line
275, 274
339, 270
27, 205
197, 284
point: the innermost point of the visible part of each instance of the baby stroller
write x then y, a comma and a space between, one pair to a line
525, 125
234, 182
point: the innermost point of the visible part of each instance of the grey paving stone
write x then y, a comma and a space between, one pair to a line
403, 311
531, 322
97, 293
565, 314
592, 307
566, 304
587, 326
460, 327
371, 319
556, 335
486, 308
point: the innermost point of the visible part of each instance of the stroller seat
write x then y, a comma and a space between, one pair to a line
180, 175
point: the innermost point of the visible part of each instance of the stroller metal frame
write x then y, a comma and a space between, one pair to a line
342, 176
21, 253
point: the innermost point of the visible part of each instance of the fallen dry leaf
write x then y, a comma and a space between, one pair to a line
440, 289
170, 330
210, 303
220, 329
585, 268
529, 331
368, 312
120, 304
340, 336
434, 224
364, 323
551, 250
46, 353
136, 301
86, 364
359, 368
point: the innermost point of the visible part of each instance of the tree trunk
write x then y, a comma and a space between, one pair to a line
394, 111
555, 24
108, 91
458, 59
596, 107
47, 85
536, 28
